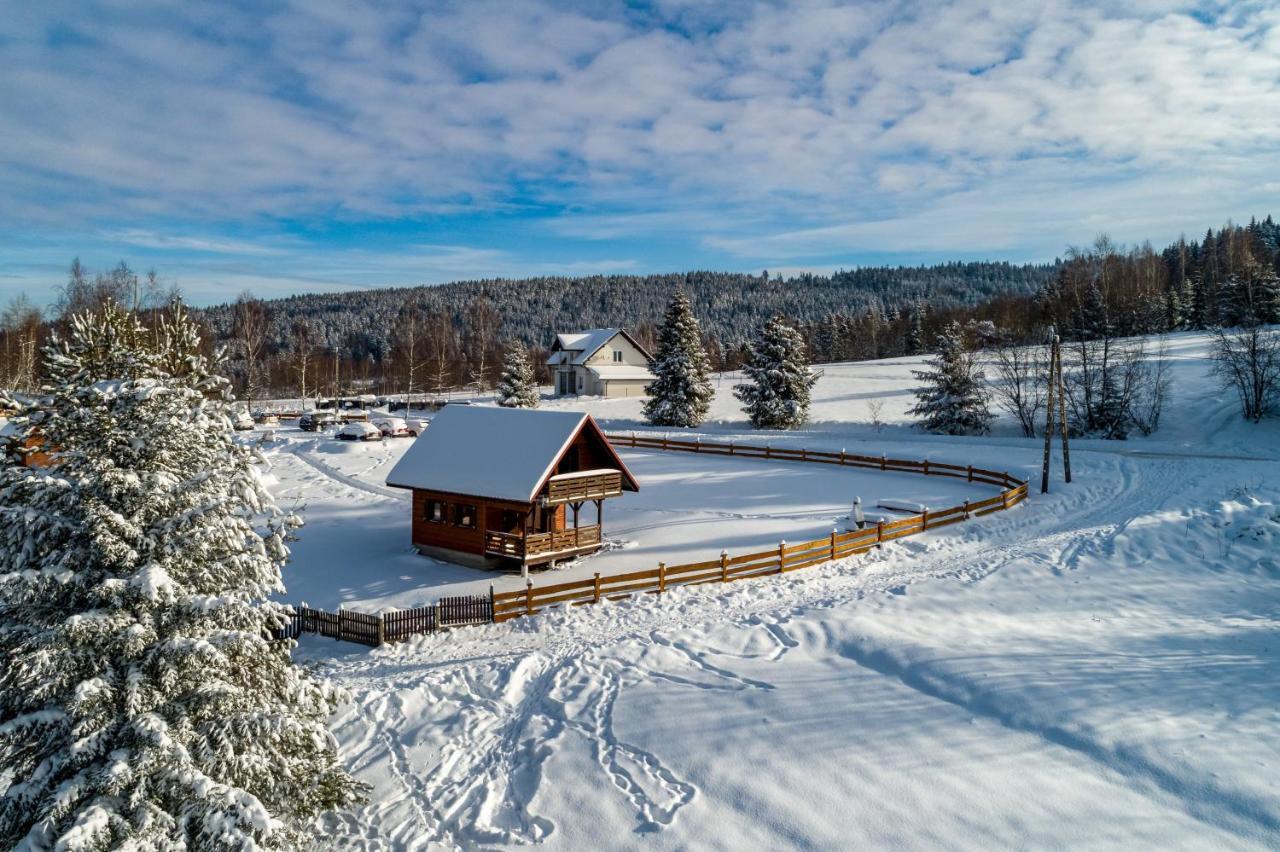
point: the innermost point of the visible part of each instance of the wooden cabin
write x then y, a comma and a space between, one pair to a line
495, 486
26, 447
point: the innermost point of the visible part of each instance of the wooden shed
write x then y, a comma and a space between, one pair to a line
508, 485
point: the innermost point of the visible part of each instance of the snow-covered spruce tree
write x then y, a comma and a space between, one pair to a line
516, 387
142, 705
681, 392
953, 400
778, 395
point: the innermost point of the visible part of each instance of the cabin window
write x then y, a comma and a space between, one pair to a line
434, 511
617, 356
464, 515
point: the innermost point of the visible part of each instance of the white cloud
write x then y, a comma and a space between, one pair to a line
911, 124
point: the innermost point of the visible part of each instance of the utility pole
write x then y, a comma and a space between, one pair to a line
1058, 406
1048, 421
1062, 409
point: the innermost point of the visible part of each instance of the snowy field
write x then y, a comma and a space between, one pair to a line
1098, 667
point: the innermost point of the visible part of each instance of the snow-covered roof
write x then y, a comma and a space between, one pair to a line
483, 451
610, 372
583, 344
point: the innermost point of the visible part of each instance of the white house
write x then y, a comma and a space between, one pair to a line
599, 362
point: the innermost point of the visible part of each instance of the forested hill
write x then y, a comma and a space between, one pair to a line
730, 305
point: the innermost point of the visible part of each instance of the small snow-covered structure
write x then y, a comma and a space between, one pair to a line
497, 484
599, 362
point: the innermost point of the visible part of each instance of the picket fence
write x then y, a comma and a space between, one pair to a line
373, 630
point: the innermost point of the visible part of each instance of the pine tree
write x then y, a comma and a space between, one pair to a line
516, 387
954, 400
778, 396
915, 331
142, 704
681, 391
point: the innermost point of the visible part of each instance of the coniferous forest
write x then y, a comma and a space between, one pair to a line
434, 338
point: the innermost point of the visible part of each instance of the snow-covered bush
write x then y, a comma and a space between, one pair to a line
778, 395
681, 392
142, 703
953, 400
516, 387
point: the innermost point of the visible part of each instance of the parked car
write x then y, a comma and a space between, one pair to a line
393, 427
358, 430
417, 426
316, 421
241, 421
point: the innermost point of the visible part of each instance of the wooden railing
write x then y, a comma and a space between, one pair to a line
541, 544
781, 559
374, 630
588, 485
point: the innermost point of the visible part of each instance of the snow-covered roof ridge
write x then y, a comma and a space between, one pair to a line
583, 344
484, 451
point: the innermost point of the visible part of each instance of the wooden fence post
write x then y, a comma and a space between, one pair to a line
662, 577
724, 566
971, 473
493, 615
597, 588
804, 454
382, 629
833, 545
528, 598
966, 510
782, 556
879, 534
767, 450
731, 448
842, 459
1004, 499
882, 461
926, 467
924, 519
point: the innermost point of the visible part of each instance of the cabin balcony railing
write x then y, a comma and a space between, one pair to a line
525, 547
584, 485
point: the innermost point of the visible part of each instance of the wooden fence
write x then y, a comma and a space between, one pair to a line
479, 609
374, 630
781, 559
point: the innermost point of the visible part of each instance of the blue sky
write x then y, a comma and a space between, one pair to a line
287, 147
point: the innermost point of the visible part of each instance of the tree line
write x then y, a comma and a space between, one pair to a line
432, 339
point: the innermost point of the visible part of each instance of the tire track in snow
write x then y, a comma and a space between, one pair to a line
339, 476
1239, 813
531, 714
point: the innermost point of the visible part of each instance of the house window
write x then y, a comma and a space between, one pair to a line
617, 356
434, 511
464, 515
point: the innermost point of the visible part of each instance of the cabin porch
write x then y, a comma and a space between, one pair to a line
552, 528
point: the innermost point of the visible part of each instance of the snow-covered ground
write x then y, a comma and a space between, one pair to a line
1099, 667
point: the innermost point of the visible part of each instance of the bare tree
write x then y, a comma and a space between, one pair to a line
483, 324
303, 347
249, 325
442, 348
1021, 376
409, 350
876, 408
20, 325
1248, 359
